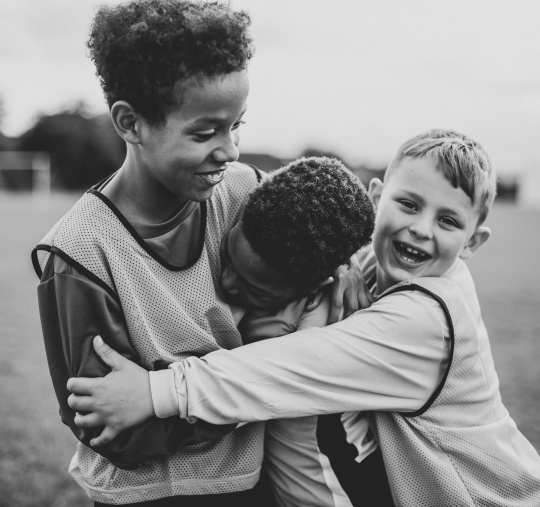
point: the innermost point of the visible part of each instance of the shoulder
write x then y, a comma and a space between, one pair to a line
78, 236
88, 213
240, 180
231, 195
410, 311
256, 326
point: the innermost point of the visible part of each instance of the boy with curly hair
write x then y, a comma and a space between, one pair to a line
137, 257
303, 222
418, 359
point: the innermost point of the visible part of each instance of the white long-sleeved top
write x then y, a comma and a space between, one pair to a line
370, 361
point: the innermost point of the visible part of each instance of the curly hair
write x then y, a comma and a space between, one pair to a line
142, 48
308, 218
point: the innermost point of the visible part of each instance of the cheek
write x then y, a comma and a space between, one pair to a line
449, 250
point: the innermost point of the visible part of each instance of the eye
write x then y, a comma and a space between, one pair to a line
448, 221
408, 204
237, 124
204, 135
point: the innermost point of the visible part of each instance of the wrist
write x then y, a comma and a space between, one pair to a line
163, 393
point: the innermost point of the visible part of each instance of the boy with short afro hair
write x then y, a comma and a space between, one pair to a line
324, 217
419, 358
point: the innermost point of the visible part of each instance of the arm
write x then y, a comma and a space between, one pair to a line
387, 357
73, 310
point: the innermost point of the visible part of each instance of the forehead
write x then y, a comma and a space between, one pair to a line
215, 98
420, 176
250, 266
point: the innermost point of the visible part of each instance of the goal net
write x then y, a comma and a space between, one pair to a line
25, 170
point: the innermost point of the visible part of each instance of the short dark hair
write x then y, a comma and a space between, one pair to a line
309, 218
142, 48
461, 160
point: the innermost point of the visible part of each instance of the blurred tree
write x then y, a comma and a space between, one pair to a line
364, 172
84, 149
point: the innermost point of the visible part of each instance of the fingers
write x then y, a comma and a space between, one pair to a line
110, 357
107, 435
365, 297
82, 386
336, 301
80, 403
351, 304
87, 421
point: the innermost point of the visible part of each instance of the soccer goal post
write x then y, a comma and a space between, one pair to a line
38, 163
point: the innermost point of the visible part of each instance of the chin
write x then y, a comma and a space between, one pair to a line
234, 300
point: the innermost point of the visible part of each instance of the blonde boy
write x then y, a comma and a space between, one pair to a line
418, 358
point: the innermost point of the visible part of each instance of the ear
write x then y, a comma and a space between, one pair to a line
126, 121
479, 237
375, 190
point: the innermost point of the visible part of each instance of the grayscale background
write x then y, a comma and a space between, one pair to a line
351, 78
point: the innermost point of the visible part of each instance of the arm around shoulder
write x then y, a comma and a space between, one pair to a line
387, 357
73, 310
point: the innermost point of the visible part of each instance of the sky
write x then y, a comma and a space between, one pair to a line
355, 77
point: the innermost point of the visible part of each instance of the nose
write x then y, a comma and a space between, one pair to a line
229, 280
421, 227
228, 151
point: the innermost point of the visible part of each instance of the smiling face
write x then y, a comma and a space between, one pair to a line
248, 281
423, 224
187, 157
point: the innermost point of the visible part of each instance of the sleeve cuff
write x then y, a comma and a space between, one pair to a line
163, 393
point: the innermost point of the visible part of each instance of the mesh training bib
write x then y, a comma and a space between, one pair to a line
171, 313
462, 448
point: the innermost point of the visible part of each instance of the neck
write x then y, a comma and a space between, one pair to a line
382, 282
140, 199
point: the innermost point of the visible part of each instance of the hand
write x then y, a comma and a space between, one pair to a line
118, 401
350, 292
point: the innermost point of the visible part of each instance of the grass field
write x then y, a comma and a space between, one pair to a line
35, 448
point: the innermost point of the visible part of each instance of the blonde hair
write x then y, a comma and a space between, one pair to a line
461, 160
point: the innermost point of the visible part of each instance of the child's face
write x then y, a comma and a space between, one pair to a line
187, 157
247, 280
423, 224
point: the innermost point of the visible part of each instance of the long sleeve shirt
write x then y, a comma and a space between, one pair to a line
386, 357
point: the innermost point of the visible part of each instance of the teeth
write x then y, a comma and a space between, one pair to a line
213, 176
411, 254
415, 252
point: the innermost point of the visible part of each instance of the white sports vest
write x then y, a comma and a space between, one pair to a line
462, 448
171, 313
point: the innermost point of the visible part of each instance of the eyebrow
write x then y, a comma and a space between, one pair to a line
213, 119
412, 193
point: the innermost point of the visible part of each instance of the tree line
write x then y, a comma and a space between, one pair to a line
83, 148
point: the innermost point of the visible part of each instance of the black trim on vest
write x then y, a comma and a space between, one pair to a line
258, 173
365, 483
433, 397
85, 271
34, 257
137, 237
72, 262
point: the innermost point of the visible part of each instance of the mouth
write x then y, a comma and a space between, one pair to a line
410, 254
212, 177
